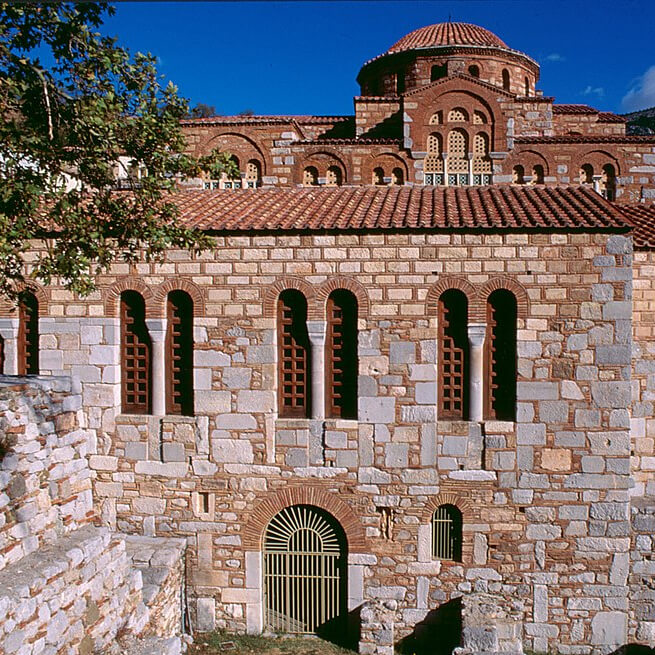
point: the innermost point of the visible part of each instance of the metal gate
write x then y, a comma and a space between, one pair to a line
304, 564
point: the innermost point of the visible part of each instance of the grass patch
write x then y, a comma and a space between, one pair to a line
237, 644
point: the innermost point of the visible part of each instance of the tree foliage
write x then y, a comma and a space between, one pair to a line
72, 103
201, 110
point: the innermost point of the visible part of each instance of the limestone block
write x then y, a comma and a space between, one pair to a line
396, 455
609, 629
237, 378
103, 463
401, 352
531, 434
426, 393
556, 459
554, 411
256, 401
611, 394
212, 402
377, 410
537, 391
236, 422
148, 505
173, 452
210, 358
454, 446
233, 451
205, 614
135, 450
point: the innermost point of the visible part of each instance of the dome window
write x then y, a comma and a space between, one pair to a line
458, 115
527, 86
506, 81
474, 71
438, 71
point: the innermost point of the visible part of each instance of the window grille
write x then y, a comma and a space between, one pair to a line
294, 355
310, 176
481, 159
436, 118
500, 360
479, 118
341, 355
457, 115
447, 533
135, 355
334, 176
434, 143
453, 355
28, 335
457, 153
253, 174
179, 354
304, 572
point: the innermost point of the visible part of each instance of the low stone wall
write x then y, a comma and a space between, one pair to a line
72, 596
45, 480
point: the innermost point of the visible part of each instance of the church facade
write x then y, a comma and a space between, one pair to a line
413, 409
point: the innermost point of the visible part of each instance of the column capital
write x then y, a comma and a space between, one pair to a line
316, 332
476, 334
157, 328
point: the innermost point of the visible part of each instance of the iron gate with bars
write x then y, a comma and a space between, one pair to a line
304, 572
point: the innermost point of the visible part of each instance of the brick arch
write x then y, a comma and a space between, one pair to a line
597, 158
446, 283
448, 498
528, 159
508, 283
236, 144
113, 294
38, 292
322, 159
268, 507
386, 160
326, 288
273, 292
179, 284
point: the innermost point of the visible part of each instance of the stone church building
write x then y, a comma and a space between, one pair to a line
408, 397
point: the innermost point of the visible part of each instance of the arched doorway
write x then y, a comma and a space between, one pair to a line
305, 564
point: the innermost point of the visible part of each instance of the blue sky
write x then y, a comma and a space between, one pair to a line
303, 57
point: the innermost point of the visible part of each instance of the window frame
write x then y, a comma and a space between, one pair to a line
447, 522
27, 344
179, 348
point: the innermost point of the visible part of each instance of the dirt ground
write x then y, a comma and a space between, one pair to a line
223, 643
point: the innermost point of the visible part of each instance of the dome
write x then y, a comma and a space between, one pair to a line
443, 34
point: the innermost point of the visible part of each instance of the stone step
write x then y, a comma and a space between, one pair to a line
156, 646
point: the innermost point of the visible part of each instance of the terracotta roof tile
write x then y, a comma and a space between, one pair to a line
574, 109
358, 208
585, 138
609, 117
447, 34
642, 217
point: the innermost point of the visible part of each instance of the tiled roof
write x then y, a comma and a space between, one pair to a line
399, 208
242, 120
574, 109
609, 117
585, 138
447, 34
642, 217
346, 141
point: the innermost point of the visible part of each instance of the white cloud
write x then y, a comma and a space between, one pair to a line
555, 57
642, 94
597, 91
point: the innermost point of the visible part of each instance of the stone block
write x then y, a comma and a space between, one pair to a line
554, 411
610, 443
103, 463
402, 352
173, 452
136, 450
148, 505
212, 402
210, 358
256, 401
237, 378
205, 614
592, 464
233, 451
297, 457
426, 393
615, 355
236, 422
617, 309
396, 455
587, 418
609, 629
537, 391
615, 395
347, 459
377, 410
531, 434
454, 446
556, 459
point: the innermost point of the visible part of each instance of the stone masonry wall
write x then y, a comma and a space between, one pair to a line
545, 499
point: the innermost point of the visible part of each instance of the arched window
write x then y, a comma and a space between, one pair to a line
438, 71
500, 361
586, 174
458, 152
453, 356
341, 366
608, 182
479, 118
474, 71
518, 174
537, 174
310, 176
179, 354
397, 177
400, 81
481, 159
458, 115
135, 355
28, 334
334, 176
253, 174
436, 118
447, 533
294, 384
505, 79
378, 176
527, 86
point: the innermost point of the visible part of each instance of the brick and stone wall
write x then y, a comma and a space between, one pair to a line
545, 499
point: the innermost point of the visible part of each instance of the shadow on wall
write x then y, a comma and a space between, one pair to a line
634, 649
437, 634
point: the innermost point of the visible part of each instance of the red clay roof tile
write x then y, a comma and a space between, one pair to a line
642, 217
360, 208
